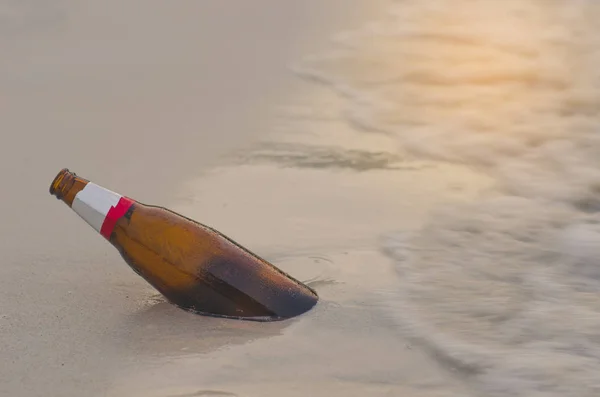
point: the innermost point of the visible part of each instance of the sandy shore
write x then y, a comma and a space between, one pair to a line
174, 104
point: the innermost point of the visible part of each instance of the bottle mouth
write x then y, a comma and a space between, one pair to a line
57, 180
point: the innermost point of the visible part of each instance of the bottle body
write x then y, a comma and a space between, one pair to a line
194, 266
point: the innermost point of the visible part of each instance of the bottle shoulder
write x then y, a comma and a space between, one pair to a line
169, 231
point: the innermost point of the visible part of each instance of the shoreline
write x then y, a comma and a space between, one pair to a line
294, 213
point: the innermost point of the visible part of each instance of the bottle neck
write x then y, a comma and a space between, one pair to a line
99, 207
66, 185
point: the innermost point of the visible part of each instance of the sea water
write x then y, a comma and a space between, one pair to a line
505, 291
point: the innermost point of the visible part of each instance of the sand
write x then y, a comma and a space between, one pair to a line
191, 105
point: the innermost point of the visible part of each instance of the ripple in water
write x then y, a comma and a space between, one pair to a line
505, 289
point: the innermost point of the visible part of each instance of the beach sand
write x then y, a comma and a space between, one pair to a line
191, 105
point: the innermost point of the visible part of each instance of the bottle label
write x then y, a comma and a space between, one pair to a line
100, 208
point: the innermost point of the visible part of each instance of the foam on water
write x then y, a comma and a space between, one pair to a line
505, 289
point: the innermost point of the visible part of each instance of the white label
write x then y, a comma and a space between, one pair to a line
93, 202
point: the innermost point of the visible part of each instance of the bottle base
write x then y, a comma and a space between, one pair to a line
261, 319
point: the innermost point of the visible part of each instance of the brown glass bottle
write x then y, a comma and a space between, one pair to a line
194, 266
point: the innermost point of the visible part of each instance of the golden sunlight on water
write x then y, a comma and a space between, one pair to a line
470, 80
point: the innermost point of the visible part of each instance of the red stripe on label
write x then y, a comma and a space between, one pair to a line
113, 216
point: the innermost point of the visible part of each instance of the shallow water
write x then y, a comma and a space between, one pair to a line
505, 288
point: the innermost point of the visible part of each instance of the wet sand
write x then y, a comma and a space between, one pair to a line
348, 345
191, 105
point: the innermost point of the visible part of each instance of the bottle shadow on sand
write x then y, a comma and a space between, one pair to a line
162, 329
